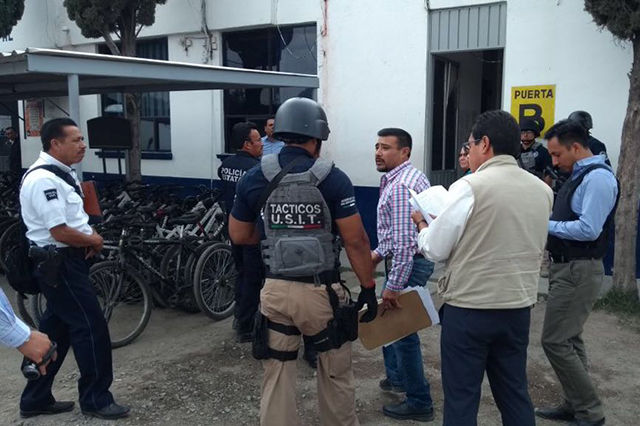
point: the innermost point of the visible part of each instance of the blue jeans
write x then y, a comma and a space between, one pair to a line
403, 359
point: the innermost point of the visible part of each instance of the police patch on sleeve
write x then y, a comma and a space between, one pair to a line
51, 194
295, 215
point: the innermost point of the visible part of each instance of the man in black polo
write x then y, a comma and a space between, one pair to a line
245, 139
579, 230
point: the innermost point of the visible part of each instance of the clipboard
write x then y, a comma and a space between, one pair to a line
91, 202
392, 325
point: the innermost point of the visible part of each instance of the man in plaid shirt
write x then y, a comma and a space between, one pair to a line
397, 245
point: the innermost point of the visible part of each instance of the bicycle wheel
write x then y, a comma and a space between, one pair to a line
8, 240
215, 282
182, 297
125, 300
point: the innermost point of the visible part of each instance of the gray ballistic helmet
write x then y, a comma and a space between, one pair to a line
530, 124
303, 117
583, 118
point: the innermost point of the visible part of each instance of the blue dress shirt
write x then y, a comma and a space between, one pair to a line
592, 202
269, 147
13, 332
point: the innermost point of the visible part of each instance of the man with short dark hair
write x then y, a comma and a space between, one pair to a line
397, 246
52, 210
245, 139
492, 239
579, 231
271, 144
15, 156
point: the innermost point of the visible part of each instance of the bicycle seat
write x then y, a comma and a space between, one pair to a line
185, 219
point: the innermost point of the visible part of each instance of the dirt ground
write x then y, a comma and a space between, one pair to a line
187, 370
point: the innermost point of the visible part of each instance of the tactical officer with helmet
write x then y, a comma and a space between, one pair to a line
595, 146
305, 203
245, 139
534, 157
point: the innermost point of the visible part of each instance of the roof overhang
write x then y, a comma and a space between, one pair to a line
39, 73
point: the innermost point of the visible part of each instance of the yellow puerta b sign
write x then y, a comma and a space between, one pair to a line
537, 102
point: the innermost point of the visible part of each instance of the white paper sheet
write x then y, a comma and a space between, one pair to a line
429, 202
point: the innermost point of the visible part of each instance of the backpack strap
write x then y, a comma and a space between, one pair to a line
273, 183
69, 180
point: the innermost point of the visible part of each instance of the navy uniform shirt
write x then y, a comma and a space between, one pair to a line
336, 188
535, 160
598, 148
230, 171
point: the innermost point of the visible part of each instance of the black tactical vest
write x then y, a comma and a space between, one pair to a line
562, 212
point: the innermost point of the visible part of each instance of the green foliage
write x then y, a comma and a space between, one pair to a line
620, 17
10, 13
620, 302
97, 17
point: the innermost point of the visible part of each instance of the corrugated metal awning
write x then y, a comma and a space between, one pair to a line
37, 73
467, 28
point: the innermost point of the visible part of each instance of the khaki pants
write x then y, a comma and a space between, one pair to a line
573, 289
307, 307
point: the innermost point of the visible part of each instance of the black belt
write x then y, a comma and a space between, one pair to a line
560, 258
328, 278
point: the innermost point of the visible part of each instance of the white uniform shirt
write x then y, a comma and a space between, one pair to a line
437, 241
47, 201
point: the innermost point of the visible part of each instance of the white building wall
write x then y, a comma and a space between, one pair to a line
372, 62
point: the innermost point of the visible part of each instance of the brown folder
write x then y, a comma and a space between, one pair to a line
391, 325
91, 201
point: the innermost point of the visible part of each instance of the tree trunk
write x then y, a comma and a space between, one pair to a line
624, 272
132, 102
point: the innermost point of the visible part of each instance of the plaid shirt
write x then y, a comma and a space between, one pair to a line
397, 235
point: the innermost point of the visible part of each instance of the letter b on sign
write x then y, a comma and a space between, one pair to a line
532, 111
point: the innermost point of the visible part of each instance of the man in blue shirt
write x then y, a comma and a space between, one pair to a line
579, 230
16, 334
271, 144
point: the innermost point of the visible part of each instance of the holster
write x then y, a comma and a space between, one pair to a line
342, 328
260, 346
47, 261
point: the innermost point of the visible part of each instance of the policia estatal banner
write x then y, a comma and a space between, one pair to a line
304, 202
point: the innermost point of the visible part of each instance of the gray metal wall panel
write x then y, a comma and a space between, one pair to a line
468, 28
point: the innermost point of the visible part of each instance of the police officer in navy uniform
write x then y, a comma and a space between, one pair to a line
302, 304
15, 155
595, 146
245, 139
52, 210
534, 157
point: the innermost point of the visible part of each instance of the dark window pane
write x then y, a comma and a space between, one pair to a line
155, 111
292, 50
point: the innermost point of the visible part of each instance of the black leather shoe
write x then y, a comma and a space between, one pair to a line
578, 422
55, 408
110, 412
385, 385
405, 412
560, 414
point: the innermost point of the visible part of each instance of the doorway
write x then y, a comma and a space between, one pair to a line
465, 84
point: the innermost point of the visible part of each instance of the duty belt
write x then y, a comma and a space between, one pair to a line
327, 278
560, 258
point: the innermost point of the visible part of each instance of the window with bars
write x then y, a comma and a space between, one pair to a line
155, 122
287, 49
